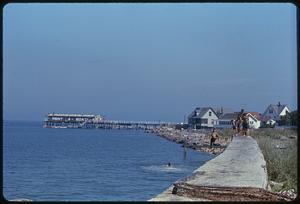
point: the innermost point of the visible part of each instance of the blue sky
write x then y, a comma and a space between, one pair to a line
146, 61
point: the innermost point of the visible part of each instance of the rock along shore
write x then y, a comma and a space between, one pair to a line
197, 140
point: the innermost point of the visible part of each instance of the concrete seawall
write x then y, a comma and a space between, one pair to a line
240, 170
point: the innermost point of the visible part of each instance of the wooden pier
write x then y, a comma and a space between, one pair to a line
96, 121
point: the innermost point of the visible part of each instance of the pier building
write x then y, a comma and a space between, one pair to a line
71, 120
97, 121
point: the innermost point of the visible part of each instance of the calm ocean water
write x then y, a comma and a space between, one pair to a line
90, 164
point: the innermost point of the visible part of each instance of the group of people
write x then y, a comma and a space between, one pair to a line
241, 123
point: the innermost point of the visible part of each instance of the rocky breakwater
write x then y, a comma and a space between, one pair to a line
197, 140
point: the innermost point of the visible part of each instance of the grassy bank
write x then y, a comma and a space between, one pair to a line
279, 148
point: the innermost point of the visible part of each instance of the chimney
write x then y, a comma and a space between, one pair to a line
278, 104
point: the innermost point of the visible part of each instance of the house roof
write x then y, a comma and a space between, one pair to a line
277, 108
229, 116
257, 115
222, 110
252, 116
200, 111
265, 118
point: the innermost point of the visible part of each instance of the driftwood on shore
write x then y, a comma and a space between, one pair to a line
221, 193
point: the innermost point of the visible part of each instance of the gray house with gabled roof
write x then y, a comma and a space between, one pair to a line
222, 110
203, 117
225, 120
276, 111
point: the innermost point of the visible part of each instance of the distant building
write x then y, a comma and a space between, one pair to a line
72, 118
225, 119
276, 111
204, 117
222, 110
257, 115
267, 121
253, 120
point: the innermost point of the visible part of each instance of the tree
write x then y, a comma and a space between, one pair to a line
285, 120
288, 119
294, 120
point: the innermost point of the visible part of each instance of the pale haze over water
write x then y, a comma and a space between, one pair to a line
146, 61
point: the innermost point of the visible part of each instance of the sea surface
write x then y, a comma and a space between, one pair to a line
44, 164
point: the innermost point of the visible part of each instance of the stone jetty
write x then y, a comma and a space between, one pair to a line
197, 140
238, 174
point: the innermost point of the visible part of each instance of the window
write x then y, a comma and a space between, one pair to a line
204, 121
224, 122
209, 113
270, 111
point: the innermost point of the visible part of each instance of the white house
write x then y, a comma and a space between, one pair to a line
253, 121
270, 122
267, 120
276, 111
204, 117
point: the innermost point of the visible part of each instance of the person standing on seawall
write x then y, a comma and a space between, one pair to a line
239, 121
245, 125
233, 123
